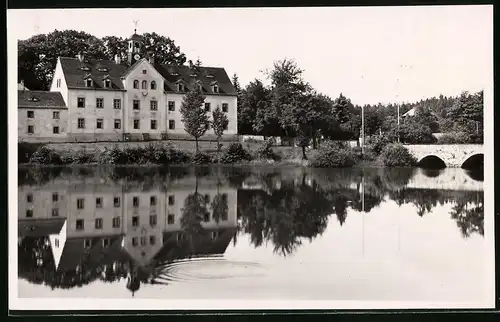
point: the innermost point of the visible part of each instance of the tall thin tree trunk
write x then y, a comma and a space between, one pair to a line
304, 156
315, 142
196, 139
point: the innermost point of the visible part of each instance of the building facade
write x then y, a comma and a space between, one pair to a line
108, 101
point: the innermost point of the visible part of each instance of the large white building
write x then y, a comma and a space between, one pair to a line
108, 101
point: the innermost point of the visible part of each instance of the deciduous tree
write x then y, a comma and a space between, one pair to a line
219, 124
195, 119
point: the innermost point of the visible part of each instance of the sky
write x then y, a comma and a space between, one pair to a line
370, 54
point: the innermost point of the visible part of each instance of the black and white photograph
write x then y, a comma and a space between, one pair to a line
251, 158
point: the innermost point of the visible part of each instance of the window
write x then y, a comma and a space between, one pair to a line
107, 83
171, 200
98, 223
144, 84
105, 242
154, 105
207, 198
152, 220
224, 216
116, 202
99, 123
137, 124
180, 87
171, 219
153, 124
135, 221
99, 102
118, 124
144, 71
117, 103
116, 222
55, 115
31, 129
136, 84
55, 197
206, 217
98, 202
135, 201
153, 85
171, 105
143, 241
171, 124
152, 201
81, 123
215, 88
87, 243
152, 240
31, 114
207, 107
136, 104
56, 242
55, 129
58, 83
80, 203
55, 212
29, 198
224, 107
29, 213
88, 83
134, 241
80, 102
79, 224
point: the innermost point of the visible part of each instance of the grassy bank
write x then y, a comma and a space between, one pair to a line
328, 155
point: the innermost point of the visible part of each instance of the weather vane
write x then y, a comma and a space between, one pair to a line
135, 25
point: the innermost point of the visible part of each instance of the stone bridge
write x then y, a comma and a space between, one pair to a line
453, 155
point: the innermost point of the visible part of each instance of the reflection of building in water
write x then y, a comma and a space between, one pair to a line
90, 223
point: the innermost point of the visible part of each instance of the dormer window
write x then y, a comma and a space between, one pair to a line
180, 87
175, 74
85, 68
102, 69
215, 88
153, 85
193, 75
107, 83
210, 76
136, 84
198, 84
88, 82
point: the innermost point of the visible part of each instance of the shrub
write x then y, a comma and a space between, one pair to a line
235, 153
112, 156
45, 155
265, 150
201, 158
84, 156
377, 143
396, 155
332, 155
454, 138
414, 133
25, 150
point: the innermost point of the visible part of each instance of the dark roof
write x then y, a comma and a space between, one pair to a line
75, 75
206, 75
39, 227
136, 37
40, 99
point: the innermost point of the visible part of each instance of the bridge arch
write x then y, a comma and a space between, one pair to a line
431, 161
473, 161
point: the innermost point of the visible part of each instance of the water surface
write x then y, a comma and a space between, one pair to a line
253, 233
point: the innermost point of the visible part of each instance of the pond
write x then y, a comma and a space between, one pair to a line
253, 233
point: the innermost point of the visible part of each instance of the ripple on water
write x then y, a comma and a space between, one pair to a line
208, 268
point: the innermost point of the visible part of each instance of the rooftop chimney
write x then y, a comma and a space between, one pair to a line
118, 59
191, 64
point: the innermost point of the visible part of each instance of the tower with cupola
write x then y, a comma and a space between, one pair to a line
135, 48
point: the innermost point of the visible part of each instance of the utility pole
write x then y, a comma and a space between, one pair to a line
362, 130
397, 104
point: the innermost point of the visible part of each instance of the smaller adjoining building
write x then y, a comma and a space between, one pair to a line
42, 116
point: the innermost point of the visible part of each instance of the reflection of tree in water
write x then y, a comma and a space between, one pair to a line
423, 199
36, 264
469, 216
285, 215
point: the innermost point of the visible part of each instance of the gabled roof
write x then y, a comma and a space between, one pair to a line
40, 99
203, 75
75, 76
